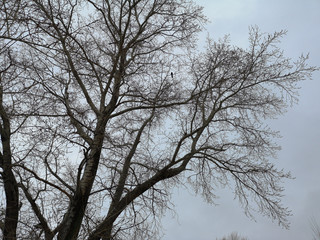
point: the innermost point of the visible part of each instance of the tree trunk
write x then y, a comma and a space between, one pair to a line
73, 218
12, 204
72, 221
9, 181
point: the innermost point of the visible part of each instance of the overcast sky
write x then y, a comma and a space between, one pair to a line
300, 128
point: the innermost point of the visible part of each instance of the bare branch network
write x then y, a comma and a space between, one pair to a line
106, 105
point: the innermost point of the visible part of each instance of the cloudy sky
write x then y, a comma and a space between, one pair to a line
300, 128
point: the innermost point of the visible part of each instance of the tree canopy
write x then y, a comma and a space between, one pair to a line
106, 105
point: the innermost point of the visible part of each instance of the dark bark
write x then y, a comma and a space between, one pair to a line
9, 181
73, 218
12, 203
104, 230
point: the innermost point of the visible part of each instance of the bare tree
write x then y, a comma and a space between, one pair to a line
8, 179
315, 228
8, 72
234, 236
108, 129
